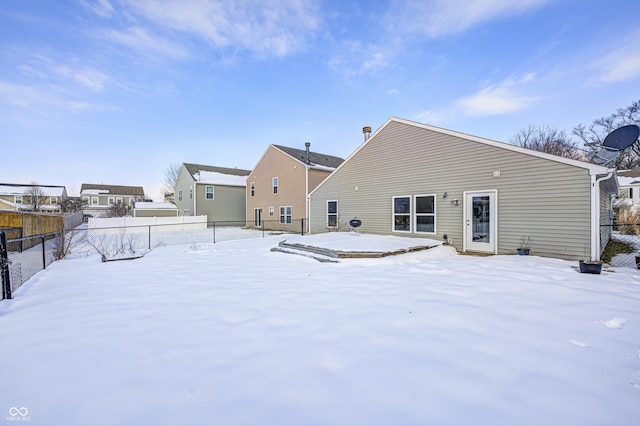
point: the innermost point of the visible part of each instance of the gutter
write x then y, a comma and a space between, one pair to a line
595, 213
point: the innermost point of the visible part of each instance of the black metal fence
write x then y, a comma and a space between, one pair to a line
24, 257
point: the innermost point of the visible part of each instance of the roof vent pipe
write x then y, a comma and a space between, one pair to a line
367, 132
307, 145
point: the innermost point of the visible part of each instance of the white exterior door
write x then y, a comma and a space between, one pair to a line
480, 221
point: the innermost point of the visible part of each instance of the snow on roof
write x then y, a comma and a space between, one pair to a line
94, 191
146, 205
627, 181
48, 191
221, 178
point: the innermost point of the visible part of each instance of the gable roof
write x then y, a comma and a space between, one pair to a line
594, 169
21, 189
217, 175
92, 188
315, 158
629, 177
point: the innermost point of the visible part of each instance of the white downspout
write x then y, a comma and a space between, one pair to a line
595, 214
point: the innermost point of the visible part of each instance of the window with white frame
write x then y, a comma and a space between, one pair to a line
180, 195
272, 211
425, 213
94, 201
275, 185
111, 200
119, 200
53, 200
191, 192
208, 192
253, 189
85, 199
17, 199
285, 214
402, 213
332, 213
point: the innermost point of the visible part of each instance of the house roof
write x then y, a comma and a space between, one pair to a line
629, 177
315, 158
92, 188
21, 189
594, 169
217, 175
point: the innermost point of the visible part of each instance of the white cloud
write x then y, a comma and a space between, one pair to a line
25, 96
623, 63
355, 60
436, 18
90, 78
99, 7
267, 28
140, 39
496, 99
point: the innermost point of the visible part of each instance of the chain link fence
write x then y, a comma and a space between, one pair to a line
624, 247
27, 256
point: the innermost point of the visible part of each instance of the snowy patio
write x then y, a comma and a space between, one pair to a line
233, 333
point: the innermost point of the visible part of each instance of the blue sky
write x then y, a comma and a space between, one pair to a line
114, 91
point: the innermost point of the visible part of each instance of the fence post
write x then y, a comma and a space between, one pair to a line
214, 232
302, 226
44, 255
263, 229
4, 267
149, 237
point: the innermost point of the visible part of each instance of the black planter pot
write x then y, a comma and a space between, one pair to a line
587, 267
523, 252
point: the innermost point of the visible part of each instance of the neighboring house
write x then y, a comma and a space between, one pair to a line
99, 200
279, 184
19, 197
150, 209
217, 192
415, 180
629, 195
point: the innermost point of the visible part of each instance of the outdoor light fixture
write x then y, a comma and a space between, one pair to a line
455, 201
444, 195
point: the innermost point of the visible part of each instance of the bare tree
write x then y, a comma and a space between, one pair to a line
34, 196
72, 205
170, 178
119, 209
594, 134
549, 140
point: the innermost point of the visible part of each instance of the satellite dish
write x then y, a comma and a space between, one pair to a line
604, 155
622, 138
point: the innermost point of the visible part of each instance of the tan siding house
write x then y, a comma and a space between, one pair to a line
278, 186
217, 192
18, 197
99, 199
411, 179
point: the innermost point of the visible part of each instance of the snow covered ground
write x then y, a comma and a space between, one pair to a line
234, 334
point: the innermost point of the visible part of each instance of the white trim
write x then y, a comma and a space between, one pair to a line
393, 213
595, 215
494, 217
415, 214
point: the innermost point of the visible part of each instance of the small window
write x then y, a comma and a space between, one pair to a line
18, 199
208, 192
253, 189
94, 201
402, 214
118, 200
85, 199
275, 185
425, 213
285, 214
53, 200
191, 192
111, 200
180, 195
272, 211
332, 214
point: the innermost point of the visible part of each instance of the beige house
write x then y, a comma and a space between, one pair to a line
279, 184
151, 209
217, 192
99, 200
477, 194
20, 197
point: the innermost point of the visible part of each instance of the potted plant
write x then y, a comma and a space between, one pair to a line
590, 266
525, 246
